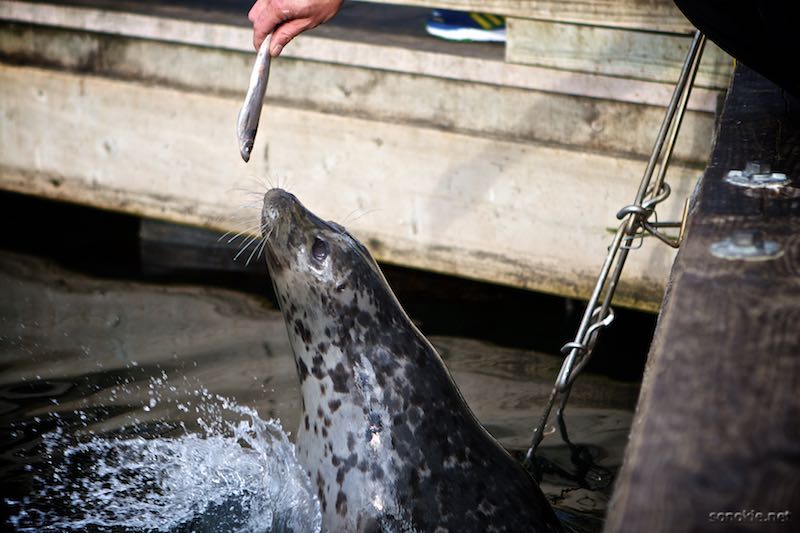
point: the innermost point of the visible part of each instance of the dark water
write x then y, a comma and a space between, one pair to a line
131, 401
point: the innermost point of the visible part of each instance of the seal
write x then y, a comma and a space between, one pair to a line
385, 435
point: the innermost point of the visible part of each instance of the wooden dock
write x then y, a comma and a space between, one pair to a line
504, 164
715, 444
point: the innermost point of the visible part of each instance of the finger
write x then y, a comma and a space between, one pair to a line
258, 37
256, 10
285, 33
264, 19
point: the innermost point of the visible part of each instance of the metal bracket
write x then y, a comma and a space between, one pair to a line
757, 175
746, 245
635, 224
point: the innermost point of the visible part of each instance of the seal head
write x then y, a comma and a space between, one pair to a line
384, 434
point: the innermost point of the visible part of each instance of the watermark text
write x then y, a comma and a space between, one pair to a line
751, 517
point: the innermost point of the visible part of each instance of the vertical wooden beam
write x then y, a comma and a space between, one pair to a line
717, 428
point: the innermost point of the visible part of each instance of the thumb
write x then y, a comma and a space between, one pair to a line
284, 33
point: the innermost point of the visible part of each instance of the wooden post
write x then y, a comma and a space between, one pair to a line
717, 428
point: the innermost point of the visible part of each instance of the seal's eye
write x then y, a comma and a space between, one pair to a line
319, 249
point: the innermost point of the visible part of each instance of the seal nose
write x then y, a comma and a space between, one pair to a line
277, 195
276, 201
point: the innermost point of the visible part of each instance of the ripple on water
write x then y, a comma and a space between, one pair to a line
237, 473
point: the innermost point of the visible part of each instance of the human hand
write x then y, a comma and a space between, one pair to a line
286, 19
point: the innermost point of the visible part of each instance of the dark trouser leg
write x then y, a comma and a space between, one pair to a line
762, 34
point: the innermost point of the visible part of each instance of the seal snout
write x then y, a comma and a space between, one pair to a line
276, 202
278, 197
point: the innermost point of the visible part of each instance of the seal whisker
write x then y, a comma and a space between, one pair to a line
255, 249
269, 233
248, 191
285, 186
250, 187
245, 247
367, 212
263, 182
250, 230
360, 215
255, 204
226, 235
236, 220
261, 248
239, 218
346, 218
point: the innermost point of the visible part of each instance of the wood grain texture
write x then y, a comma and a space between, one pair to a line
457, 141
512, 113
655, 15
718, 422
625, 53
378, 51
449, 202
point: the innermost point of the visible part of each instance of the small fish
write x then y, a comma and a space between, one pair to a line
247, 123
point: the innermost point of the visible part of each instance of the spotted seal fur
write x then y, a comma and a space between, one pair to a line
385, 435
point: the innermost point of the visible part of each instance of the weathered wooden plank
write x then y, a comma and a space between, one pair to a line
360, 81
654, 15
717, 429
335, 48
528, 215
612, 51
508, 113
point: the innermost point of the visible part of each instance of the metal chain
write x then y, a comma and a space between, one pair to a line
636, 224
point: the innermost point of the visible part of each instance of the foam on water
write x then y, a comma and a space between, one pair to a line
237, 472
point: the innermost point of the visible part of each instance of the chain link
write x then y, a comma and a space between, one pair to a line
636, 224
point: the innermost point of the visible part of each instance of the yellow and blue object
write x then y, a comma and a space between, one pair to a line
463, 26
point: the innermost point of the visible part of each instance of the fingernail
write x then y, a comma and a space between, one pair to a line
276, 51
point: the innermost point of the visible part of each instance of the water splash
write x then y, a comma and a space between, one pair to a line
238, 472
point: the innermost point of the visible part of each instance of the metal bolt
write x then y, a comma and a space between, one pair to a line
757, 175
746, 245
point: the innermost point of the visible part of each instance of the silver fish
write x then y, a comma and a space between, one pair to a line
247, 123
